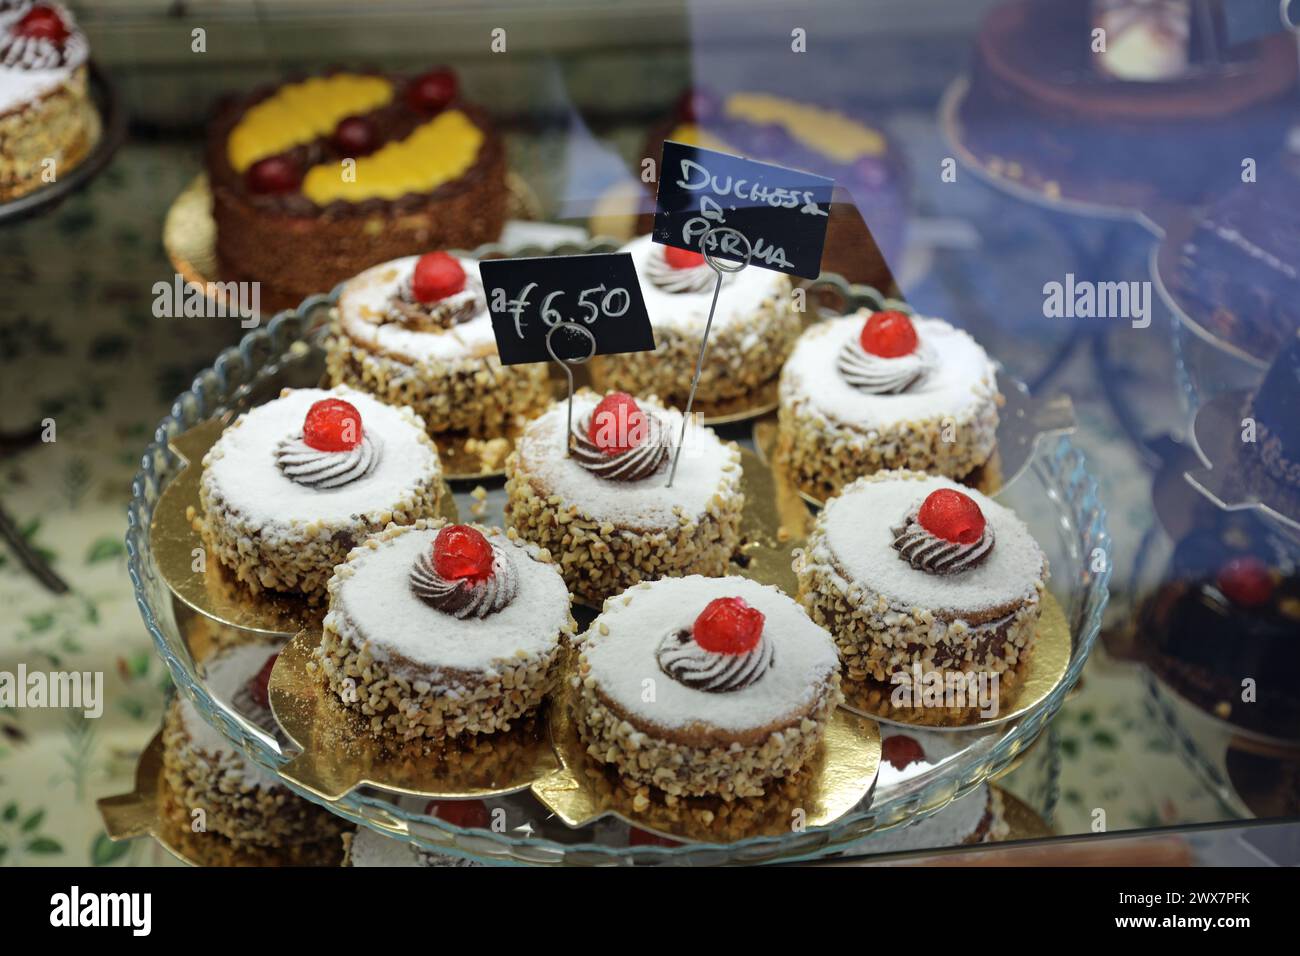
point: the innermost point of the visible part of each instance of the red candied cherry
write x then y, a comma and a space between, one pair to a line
617, 425
432, 92
900, 751
889, 335
332, 425
274, 174
698, 106
461, 553
468, 814
356, 136
728, 626
259, 689
42, 22
1246, 581
437, 275
638, 837
951, 515
682, 258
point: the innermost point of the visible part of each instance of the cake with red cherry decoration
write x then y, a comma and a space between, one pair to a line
48, 123
245, 806
754, 328
596, 497
315, 180
436, 631
416, 331
916, 575
705, 686
880, 390
291, 486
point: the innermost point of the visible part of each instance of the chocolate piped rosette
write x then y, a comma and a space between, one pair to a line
915, 573
882, 390
417, 331
247, 805
604, 509
754, 328
440, 631
705, 686
291, 486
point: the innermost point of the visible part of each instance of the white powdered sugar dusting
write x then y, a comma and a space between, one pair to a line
363, 316
962, 379
242, 464
858, 526
743, 294
225, 675
374, 601
369, 848
951, 826
623, 660
23, 82
648, 503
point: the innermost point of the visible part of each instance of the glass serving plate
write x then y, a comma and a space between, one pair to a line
1054, 494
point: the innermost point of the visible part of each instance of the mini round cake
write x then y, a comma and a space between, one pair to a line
597, 497
705, 686
754, 328
48, 123
417, 331
435, 631
915, 577
291, 486
1273, 407
366, 848
319, 178
974, 818
239, 800
871, 391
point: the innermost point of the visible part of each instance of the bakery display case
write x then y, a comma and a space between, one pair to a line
666, 432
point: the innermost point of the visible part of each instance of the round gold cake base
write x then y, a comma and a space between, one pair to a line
838, 778
151, 810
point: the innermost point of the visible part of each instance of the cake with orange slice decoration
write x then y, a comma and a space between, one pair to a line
416, 331
880, 390
317, 179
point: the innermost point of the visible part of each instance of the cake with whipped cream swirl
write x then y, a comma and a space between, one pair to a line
417, 331
754, 327
468, 595
705, 686
47, 118
595, 493
293, 484
439, 631
884, 390
642, 451
920, 542
915, 573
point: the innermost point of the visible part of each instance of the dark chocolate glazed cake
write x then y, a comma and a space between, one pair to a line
1229, 612
1042, 98
1275, 408
315, 180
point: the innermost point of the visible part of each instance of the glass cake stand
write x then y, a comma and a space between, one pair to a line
1054, 494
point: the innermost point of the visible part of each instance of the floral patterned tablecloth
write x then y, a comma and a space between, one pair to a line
79, 344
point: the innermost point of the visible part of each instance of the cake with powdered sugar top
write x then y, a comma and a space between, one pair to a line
705, 686
882, 390
416, 331
754, 327
241, 800
604, 508
910, 570
292, 485
438, 630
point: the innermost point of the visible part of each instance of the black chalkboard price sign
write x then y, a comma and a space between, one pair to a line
782, 212
600, 293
